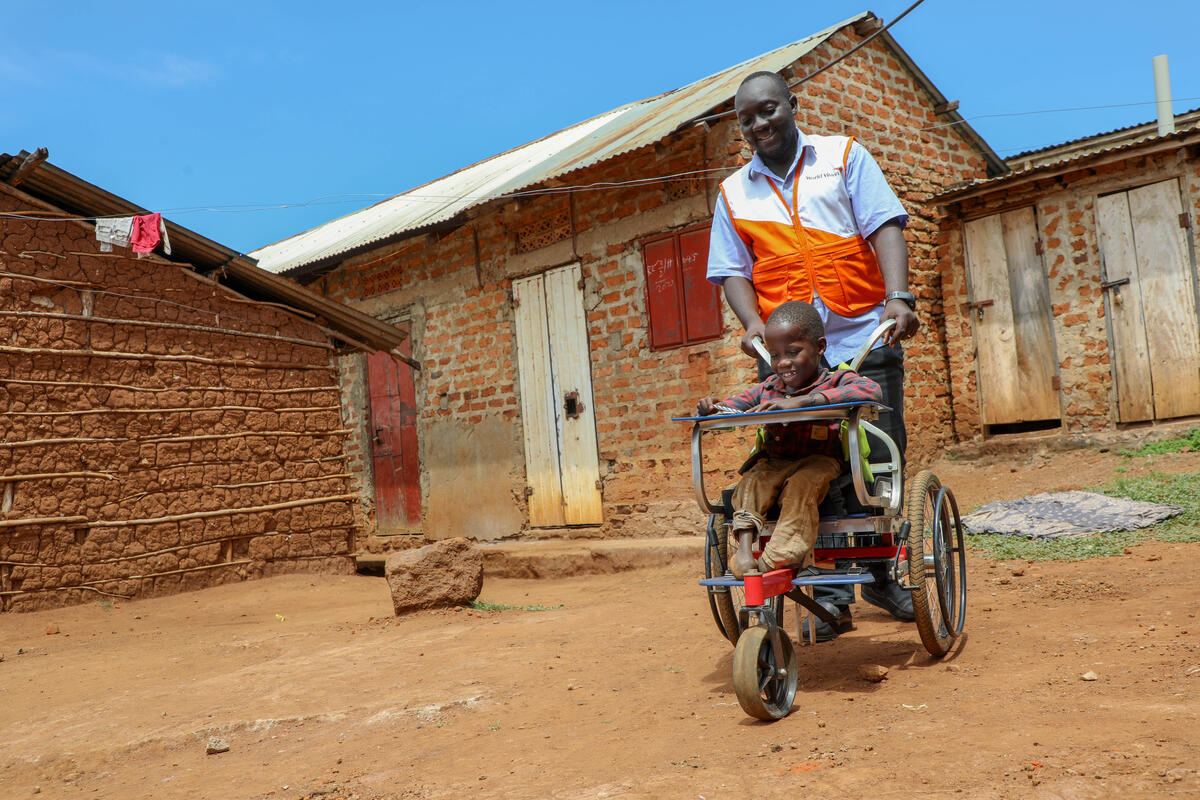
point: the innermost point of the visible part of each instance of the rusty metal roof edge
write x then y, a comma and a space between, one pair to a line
1153, 143
538, 172
1192, 115
68, 191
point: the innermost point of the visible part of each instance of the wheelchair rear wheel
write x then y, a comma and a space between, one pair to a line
927, 518
764, 680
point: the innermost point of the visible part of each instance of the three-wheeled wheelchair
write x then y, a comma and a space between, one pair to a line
920, 545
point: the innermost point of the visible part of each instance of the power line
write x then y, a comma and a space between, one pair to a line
1051, 111
411, 197
817, 72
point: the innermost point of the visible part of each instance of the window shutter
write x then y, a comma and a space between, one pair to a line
701, 299
663, 296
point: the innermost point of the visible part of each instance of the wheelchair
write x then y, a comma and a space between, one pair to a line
919, 543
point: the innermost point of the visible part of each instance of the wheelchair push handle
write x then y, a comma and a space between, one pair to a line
875, 336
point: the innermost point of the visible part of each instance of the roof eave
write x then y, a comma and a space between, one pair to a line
76, 196
1007, 182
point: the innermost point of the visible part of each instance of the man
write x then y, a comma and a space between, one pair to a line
812, 218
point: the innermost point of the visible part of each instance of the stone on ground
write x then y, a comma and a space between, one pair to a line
446, 573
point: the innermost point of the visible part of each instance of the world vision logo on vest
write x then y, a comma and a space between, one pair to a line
817, 176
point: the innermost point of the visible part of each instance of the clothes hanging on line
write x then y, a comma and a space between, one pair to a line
148, 231
114, 230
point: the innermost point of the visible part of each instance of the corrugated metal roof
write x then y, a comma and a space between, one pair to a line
1098, 140
1069, 158
606, 136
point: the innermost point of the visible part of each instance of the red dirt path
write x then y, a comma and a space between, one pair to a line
623, 693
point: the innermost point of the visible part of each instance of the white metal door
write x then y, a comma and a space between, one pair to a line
554, 360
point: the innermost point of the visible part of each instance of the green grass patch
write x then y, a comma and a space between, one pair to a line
483, 605
1190, 441
1180, 490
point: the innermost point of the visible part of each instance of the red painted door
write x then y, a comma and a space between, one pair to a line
393, 399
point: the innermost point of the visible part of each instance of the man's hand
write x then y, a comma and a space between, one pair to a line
755, 328
706, 406
739, 292
906, 322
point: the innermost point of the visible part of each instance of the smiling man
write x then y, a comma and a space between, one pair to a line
812, 218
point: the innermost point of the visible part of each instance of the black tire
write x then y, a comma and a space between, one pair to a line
714, 566
922, 516
727, 605
950, 562
761, 691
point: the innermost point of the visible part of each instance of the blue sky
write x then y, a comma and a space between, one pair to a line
177, 106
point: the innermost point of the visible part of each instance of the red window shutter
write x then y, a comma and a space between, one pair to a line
663, 297
701, 299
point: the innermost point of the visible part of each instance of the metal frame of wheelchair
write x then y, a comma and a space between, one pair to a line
921, 548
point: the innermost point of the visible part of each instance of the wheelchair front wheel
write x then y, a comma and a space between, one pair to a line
727, 602
765, 680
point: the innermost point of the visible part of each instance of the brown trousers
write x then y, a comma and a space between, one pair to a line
798, 487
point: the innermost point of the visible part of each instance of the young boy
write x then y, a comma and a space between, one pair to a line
797, 460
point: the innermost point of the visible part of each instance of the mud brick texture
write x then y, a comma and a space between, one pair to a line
455, 286
159, 432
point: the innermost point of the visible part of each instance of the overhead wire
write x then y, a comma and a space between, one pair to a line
1050, 111
335, 199
816, 72
409, 197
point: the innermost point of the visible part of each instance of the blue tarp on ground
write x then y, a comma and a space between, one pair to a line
1055, 515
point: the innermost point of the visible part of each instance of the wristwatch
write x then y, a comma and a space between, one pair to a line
909, 298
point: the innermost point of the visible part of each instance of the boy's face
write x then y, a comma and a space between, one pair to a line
794, 357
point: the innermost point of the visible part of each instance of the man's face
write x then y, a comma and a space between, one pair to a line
765, 111
794, 357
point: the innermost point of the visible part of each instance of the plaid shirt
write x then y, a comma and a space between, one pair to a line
795, 440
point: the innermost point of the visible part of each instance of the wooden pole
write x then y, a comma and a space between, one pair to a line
33, 476
81, 412
173, 325
171, 439
122, 523
28, 382
17, 523
220, 362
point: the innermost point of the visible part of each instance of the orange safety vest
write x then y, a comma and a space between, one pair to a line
814, 245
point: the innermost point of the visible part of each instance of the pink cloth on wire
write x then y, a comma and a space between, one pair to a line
145, 235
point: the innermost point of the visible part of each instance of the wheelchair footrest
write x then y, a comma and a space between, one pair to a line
827, 579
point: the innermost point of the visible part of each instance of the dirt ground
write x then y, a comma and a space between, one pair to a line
621, 689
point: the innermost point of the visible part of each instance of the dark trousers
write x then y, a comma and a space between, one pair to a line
885, 366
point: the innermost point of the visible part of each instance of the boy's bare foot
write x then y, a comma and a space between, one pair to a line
743, 560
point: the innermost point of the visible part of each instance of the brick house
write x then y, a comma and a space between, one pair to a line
168, 424
555, 296
1071, 295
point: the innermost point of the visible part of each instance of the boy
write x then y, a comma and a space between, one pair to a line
797, 460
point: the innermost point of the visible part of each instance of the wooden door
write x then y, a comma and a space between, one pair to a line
1150, 303
1016, 362
562, 463
393, 421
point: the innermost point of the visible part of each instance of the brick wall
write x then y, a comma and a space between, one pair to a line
1065, 211
148, 412
461, 281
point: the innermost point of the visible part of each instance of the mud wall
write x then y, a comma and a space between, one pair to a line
160, 433
458, 282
